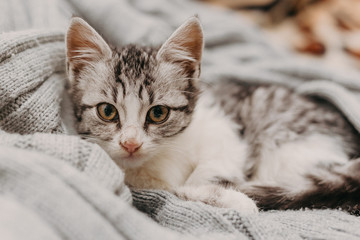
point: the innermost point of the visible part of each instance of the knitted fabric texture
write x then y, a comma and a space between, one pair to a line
57, 186
27, 100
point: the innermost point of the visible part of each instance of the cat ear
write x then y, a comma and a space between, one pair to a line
84, 44
184, 45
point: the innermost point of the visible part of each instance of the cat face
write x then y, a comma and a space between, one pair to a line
133, 101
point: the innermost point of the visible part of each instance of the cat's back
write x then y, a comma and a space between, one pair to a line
278, 114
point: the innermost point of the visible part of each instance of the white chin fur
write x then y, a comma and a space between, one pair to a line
124, 161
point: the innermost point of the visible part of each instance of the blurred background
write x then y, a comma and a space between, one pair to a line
322, 29
325, 30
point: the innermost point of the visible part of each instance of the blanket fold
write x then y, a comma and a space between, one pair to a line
30, 104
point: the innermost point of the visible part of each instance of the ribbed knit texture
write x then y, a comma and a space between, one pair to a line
27, 60
195, 218
56, 186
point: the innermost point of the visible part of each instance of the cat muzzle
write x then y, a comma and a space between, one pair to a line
131, 146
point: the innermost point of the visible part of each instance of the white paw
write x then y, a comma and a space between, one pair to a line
238, 201
219, 197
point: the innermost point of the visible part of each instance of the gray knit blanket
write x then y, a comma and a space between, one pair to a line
54, 185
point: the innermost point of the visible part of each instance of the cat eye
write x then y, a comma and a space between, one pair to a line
158, 114
107, 112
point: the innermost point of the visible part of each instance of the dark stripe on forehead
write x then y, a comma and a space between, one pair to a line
114, 93
151, 95
122, 85
148, 80
140, 92
136, 60
118, 71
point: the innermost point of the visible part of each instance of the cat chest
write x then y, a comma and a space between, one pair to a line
165, 173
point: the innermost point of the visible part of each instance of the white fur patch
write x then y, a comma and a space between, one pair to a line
288, 164
218, 196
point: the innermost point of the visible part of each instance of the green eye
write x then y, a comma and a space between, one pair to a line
107, 112
158, 114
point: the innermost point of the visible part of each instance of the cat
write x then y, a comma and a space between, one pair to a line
227, 144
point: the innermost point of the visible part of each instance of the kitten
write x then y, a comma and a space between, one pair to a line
147, 108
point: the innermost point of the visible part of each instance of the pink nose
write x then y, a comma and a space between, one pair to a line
130, 146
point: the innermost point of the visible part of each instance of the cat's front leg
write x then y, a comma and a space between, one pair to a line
206, 184
218, 196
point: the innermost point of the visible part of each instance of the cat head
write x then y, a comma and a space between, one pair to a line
133, 101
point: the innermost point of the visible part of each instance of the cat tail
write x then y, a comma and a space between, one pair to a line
335, 187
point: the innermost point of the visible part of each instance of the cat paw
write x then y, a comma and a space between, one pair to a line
218, 196
237, 201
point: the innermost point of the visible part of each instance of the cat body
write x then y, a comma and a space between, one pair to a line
212, 143
193, 156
